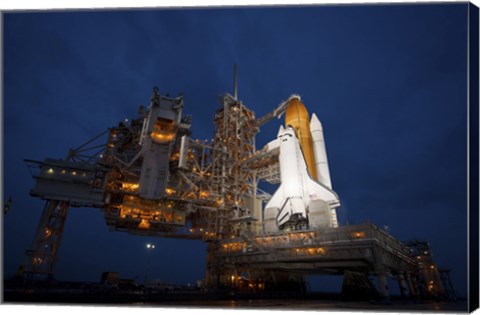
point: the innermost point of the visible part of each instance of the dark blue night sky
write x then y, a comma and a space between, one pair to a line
388, 82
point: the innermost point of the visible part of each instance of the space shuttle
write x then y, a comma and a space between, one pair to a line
304, 199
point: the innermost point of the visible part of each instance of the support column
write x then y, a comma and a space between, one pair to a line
411, 287
383, 286
381, 273
403, 285
41, 258
213, 271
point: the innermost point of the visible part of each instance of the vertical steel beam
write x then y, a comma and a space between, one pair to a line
413, 289
403, 285
383, 286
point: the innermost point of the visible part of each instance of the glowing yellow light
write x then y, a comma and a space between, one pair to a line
130, 186
162, 137
74, 173
144, 224
359, 234
37, 260
320, 250
50, 171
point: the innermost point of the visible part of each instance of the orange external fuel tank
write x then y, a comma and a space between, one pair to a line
296, 116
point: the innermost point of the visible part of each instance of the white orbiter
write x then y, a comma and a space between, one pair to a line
305, 196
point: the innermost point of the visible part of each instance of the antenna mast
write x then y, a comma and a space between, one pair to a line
235, 82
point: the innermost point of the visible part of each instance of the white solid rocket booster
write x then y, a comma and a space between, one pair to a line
321, 162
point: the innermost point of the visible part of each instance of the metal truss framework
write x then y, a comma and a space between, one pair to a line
362, 248
40, 261
211, 193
